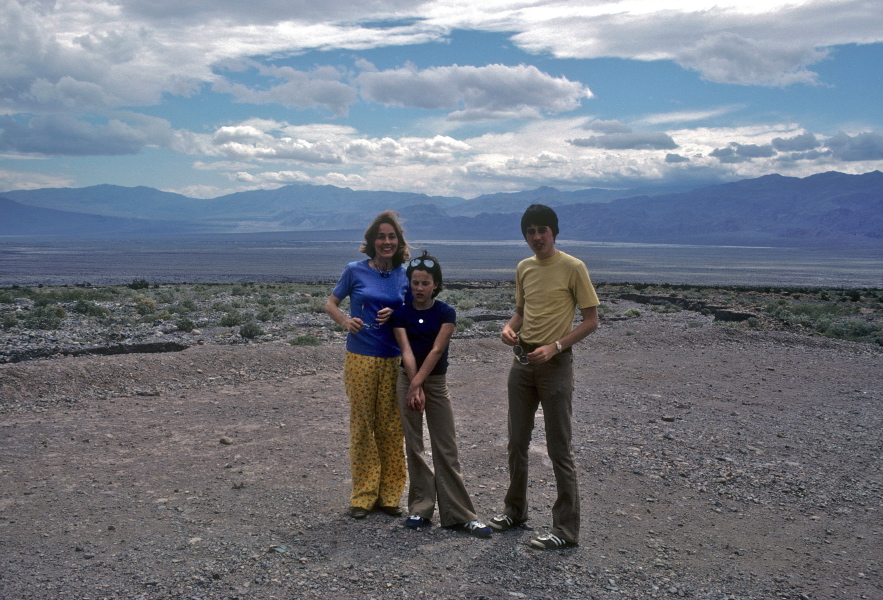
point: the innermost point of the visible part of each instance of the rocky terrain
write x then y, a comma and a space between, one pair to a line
718, 461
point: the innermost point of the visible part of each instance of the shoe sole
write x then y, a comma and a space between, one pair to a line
537, 545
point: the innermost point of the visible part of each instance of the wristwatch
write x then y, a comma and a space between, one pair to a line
558, 345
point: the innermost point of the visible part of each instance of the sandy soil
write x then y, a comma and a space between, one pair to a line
715, 463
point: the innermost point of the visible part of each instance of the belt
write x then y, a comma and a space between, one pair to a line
528, 348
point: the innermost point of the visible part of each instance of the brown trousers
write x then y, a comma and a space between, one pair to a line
549, 385
446, 483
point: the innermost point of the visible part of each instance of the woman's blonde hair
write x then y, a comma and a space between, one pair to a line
390, 217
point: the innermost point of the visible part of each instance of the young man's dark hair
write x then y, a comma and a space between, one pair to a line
541, 215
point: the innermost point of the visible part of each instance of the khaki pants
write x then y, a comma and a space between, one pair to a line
549, 385
446, 484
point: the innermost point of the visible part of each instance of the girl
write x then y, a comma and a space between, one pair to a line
423, 328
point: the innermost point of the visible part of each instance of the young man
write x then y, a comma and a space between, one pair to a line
550, 286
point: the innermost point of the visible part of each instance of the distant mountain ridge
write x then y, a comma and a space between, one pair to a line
825, 209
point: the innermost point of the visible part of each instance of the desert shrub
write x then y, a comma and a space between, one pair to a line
270, 314
464, 324
144, 305
466, 304
164, 296
41, 300
250, 330
222, 306
317, 305
265, 299
139, 284
231, 319
500, 304
306, 340
632, 313
8, 320
185, 324
185, 306
44, 317
90, 309
667, 308
493, 327
857, 331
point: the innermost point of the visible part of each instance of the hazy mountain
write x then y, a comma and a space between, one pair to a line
18, 219
504, 202
829, 208
288, 203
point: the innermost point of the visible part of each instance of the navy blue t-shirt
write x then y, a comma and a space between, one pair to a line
422, 327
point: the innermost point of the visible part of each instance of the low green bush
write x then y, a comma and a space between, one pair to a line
90, 309
306, 340
231, 319
185, 324
44, 317
8, 320
144, 305
251, 330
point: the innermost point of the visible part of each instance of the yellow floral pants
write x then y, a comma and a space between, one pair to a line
377, 457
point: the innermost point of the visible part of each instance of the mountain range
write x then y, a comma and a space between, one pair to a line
826, 209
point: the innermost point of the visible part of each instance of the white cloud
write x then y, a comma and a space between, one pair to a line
537, 153
26, 180
636, 140
761, 43
801, 142
322, 87
63, 135
473, 93
864, 146
686, 116
267, 11
68, 69
273, 178
612, 126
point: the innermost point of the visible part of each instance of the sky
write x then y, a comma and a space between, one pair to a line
443, 97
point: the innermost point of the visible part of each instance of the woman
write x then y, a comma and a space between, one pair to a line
375, 286
423, 329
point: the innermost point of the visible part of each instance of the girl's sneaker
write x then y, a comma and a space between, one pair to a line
476, 528
415, 521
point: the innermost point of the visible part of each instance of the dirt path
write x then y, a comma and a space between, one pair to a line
715, 463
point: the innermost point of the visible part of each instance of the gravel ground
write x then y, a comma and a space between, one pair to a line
715, 463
